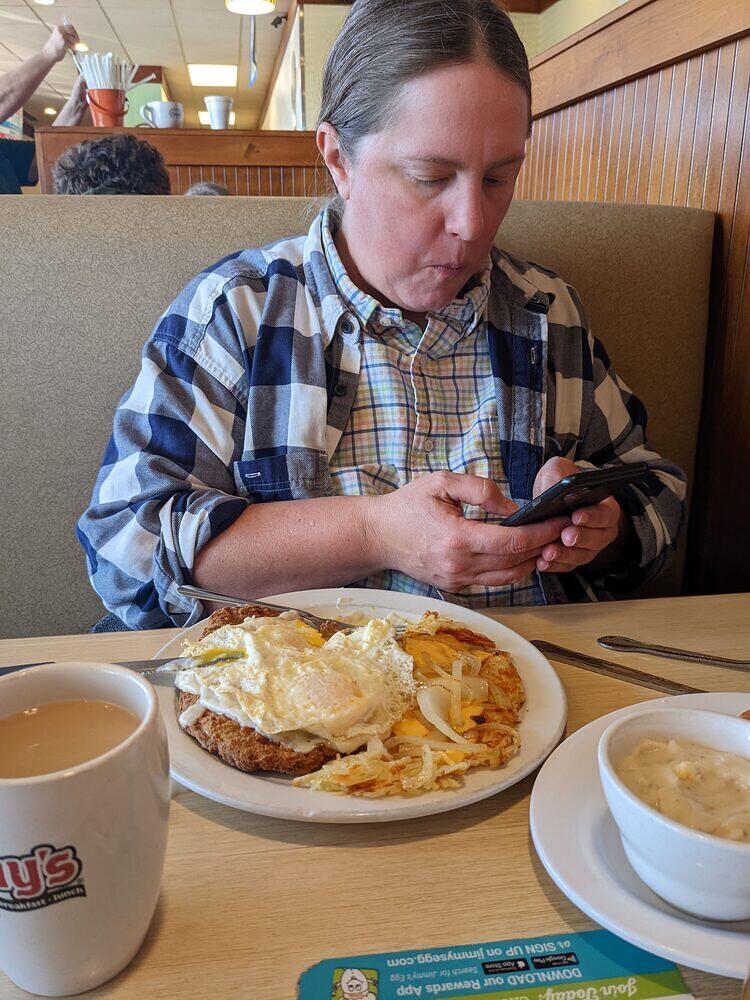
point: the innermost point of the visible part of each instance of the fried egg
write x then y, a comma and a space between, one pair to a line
295, 687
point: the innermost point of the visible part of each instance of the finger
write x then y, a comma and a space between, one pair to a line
598, 516
559, 567
563, 553
497, 578
565, 561
478, 563
592, 539
476, 491
494, 539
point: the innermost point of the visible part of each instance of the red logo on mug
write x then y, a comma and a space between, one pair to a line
47, 875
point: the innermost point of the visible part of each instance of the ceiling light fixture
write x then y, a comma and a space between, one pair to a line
81, 47
50, 111
251, 7
44, 3
212, 75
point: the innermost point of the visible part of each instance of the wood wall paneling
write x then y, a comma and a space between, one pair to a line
678, 134
245, 162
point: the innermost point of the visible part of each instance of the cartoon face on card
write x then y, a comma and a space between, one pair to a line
355, 984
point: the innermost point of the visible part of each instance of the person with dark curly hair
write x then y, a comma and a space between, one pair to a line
114, 164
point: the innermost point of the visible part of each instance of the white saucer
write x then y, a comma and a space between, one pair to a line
541, 727
579, 845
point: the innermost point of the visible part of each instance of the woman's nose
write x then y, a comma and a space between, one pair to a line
465, 215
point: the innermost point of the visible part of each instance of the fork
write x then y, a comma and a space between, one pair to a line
315, 621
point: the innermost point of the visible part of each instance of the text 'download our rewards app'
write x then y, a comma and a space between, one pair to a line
595, 965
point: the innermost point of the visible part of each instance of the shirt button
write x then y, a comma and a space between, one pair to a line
340, 390
428, 445
347, 326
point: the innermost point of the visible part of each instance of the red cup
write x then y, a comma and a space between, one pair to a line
108, 107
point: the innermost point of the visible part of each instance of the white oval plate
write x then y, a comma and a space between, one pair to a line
541, 727
579, 845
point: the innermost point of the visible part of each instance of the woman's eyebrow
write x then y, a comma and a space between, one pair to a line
443, 162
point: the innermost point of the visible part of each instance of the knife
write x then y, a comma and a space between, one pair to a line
611, 669
140, 666
593, 663
621, 644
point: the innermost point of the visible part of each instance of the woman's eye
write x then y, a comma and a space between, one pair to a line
428, 181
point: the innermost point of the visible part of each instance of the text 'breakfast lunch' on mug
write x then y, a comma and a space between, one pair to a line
163, 114
84, 807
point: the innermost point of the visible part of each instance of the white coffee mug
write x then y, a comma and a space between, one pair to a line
218, 108
163, 114
82, 850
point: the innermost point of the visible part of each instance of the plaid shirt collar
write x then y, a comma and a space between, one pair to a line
459, 317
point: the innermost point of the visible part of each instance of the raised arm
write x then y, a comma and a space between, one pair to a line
18, 85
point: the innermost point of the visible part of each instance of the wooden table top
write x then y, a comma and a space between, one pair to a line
248, 903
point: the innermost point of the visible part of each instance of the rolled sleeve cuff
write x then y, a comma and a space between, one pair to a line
188, 523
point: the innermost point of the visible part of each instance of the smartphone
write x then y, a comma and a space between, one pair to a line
583, 489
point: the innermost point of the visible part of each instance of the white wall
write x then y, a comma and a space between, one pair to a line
562, 19
286, 107
527, 26
320, 26
317, 26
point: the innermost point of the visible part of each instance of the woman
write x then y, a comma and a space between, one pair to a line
318, 412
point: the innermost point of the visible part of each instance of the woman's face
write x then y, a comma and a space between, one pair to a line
424, 198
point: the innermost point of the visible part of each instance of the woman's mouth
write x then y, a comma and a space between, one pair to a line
448, 270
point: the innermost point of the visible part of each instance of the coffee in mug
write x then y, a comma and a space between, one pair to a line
60, 734
81, 845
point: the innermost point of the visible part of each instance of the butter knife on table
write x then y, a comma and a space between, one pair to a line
611, 669
140, 666
607, 667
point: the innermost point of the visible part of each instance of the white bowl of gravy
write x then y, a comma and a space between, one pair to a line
677, 782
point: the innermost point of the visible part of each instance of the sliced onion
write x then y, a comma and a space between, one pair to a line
457, 671
478, 688
434, 744
435, 704
426, 776
473, 664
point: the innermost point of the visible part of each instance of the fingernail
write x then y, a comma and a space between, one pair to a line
542, 564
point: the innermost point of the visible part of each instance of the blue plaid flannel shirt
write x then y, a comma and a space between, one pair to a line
246, 386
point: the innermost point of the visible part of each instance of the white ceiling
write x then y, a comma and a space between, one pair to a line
167, 33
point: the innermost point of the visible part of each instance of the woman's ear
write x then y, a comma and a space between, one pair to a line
334, 157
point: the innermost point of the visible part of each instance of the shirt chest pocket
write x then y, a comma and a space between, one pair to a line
299, 474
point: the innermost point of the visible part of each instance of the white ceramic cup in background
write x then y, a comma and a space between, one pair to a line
218, 108
163, 114
82, 850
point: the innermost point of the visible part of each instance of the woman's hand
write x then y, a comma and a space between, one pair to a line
63, 38
594, 529
421, 530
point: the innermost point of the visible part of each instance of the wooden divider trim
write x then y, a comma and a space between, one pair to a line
637, 38
194, 148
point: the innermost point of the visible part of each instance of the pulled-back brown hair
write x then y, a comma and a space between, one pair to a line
385, 43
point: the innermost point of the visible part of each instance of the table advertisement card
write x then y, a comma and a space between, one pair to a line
595, 965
